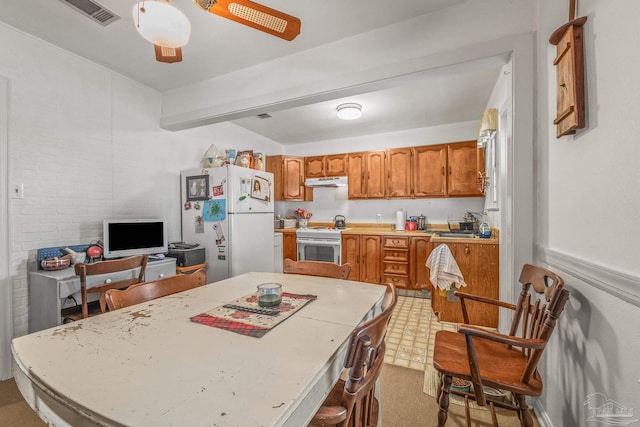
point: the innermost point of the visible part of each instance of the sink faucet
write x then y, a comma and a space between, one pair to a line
474, 217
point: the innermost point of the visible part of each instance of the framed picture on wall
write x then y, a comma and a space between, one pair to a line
197, 188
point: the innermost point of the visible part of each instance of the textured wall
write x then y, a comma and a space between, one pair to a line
85, 143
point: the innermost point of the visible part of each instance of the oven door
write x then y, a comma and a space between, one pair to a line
319, 250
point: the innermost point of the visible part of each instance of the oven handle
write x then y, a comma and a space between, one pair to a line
319, 242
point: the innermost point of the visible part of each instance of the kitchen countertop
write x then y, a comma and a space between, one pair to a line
385, 230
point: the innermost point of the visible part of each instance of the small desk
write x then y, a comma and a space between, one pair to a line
149, 365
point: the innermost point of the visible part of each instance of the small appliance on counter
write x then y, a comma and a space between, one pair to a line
340, 222
187, 254
422, 222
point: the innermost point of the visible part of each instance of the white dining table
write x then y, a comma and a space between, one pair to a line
149, 365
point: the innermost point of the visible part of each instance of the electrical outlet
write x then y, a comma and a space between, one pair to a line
378, 217
18, 191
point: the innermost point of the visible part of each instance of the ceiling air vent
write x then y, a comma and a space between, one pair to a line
93, 10
265, 116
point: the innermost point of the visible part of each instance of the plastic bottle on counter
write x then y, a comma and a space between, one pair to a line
485, 230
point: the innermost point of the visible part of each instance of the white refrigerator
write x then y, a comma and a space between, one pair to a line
229, 211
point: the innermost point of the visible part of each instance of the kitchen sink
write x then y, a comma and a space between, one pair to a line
457, 235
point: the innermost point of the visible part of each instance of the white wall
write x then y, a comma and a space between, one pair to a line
329, 202
587, 204
85, 143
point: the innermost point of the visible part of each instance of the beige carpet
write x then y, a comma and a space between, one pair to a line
14, 411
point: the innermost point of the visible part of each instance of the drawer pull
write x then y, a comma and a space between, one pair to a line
107, 281
161, 275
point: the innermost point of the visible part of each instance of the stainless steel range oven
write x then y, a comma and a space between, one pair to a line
319, 244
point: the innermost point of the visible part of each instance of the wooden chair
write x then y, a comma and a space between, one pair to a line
317, 268
352, 403
190, 269
506, 362
106, 267
147, 291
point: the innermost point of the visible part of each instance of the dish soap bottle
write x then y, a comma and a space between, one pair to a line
485, 230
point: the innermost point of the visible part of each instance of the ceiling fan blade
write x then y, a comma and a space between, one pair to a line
168, 54
254, 15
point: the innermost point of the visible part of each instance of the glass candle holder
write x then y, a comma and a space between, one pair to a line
269, 294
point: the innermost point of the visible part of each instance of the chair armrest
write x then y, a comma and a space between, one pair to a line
475, 331
465, 296
478, 298
329, 415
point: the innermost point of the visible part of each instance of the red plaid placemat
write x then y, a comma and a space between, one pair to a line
252, 324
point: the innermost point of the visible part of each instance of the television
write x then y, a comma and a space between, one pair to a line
127, 237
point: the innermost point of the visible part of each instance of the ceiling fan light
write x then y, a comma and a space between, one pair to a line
161, 24
349, 111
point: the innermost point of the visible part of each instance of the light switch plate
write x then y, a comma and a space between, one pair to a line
18, 191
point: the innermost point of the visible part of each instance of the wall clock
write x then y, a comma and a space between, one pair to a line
569, 63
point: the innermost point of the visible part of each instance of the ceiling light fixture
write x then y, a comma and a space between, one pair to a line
161, 24
349, 111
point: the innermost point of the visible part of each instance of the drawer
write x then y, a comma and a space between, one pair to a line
396, 255
395, 268
159, 270
395, 242
398, 281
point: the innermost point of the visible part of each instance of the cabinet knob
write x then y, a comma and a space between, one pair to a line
107, 281
161, 275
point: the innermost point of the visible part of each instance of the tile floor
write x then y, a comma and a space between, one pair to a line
408, 333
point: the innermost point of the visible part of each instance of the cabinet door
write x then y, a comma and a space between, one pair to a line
293, 178
419, 250
314, 167
274, 165
371, 259
399, 172
429, 171
356, 173
335, 165
289, 246
462, 178
375, 174
351, 254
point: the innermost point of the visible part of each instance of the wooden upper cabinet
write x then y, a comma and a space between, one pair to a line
357, 167
314, 167
322, 166
336, 165
288, 175
375, 174
366, 173
429, 171
463, 160
399, 166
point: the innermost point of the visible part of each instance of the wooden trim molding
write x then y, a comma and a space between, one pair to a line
617, 283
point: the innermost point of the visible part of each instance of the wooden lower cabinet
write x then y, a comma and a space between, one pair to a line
395, 261
289, 246
363, 252
480, 268
419, 251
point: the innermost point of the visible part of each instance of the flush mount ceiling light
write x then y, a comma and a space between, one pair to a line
349, 111
161, 24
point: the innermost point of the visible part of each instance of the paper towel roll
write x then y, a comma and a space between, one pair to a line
401, 220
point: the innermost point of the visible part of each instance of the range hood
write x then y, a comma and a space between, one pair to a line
331, 181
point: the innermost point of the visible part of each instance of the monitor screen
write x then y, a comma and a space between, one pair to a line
127, 237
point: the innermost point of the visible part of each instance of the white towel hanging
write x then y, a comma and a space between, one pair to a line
444, 269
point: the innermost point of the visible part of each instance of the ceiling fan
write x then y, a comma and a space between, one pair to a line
168, 28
